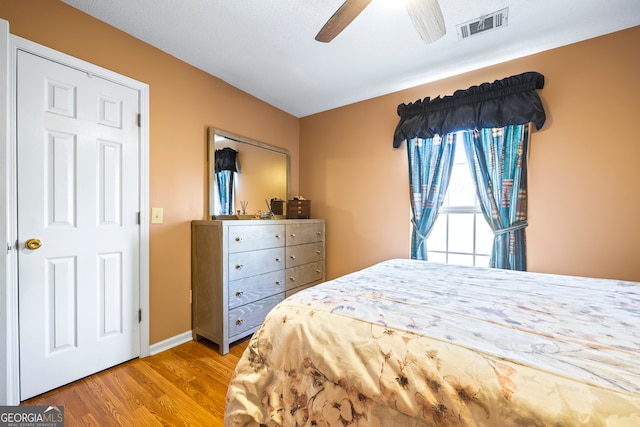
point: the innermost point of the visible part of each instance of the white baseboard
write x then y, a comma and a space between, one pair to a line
170, 343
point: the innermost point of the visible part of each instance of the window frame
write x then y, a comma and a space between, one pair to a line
446, 210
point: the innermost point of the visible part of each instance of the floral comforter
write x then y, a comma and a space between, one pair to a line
413, 343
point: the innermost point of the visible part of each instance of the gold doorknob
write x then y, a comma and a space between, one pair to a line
32, 244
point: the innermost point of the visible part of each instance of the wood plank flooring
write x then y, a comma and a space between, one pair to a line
182, 386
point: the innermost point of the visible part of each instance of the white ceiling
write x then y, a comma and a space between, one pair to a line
267, 48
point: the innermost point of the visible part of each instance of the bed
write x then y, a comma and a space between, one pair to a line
415, 343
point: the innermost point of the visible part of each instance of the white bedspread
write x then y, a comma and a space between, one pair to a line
408, 343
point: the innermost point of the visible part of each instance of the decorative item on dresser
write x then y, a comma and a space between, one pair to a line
241, 269
299, 208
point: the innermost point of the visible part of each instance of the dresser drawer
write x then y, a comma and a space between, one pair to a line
251, 315
253, 288
245, 264
290, 292
298, 234
252, 237
303, 254
303, 274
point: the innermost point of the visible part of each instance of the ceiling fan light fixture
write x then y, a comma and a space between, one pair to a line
427, 18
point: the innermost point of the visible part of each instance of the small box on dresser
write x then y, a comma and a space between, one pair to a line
299, 209
241, 269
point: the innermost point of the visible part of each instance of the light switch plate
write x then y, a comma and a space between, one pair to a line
156, 215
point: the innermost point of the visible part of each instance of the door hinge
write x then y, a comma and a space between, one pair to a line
138, 218
139, 315
9, 247
139, 120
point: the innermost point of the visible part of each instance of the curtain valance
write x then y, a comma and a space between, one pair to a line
510, 101
225, 160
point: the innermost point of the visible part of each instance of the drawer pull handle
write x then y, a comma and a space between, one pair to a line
277, 282
238, 239
239, 293
293, 235
318, 233
292, 257
238, 266
239, 322
293, 279
277, 236
277, 259
318, 252
318, 271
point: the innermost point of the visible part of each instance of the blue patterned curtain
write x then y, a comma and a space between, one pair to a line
503, 110
224, 181
430, 163
498, 161
226, 165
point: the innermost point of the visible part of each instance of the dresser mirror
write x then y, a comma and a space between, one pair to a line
262, 174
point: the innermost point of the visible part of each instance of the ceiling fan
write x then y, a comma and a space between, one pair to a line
425, 14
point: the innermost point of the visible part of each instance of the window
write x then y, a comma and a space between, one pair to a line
460, 235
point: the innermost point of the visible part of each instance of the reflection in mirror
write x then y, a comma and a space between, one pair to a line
225, 169
262, 174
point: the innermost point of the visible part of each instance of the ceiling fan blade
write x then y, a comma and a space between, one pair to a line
340, 19
427, 19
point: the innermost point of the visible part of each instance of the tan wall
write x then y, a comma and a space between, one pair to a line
584, 177
184, 102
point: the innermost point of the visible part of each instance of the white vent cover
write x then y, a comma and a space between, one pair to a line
483, 24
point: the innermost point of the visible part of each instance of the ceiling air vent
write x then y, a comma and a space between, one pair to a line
484, 24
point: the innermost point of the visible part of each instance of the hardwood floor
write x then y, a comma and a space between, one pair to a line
185, 385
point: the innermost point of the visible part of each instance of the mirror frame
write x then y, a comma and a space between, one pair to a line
212, 132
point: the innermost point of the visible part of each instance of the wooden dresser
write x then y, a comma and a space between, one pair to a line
240, 269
